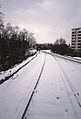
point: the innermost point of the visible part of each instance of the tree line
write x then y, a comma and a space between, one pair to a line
61, 47
14, 44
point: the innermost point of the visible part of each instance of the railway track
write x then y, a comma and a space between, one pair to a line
45, 73
64, 77
73, 89
75, 93
33, 87
64, 57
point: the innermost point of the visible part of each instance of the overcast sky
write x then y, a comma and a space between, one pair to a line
47, 19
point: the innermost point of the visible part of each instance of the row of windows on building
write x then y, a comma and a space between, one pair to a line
76, 39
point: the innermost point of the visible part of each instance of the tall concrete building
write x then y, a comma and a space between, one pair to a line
76, 39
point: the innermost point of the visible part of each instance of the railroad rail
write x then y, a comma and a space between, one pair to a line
21, 113
74, 96
63, 57
75, 93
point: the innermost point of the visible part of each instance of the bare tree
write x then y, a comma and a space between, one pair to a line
1, 21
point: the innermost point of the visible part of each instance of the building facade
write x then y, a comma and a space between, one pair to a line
76, 39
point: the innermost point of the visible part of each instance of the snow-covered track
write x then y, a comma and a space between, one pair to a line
56, 95
64, 57
30, 95
75, 95
67, 58
48, 87
75, 92
67, 83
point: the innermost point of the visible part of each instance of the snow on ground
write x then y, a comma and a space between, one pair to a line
79, 58
3, 74
15, 91
54, 97
68, 58
57, 96
75, 59
72, 71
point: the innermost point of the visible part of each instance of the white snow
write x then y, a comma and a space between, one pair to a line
79, 58
15, 91
54, 97
3, 74
57, 95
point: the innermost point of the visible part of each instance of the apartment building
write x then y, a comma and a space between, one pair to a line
76, 39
